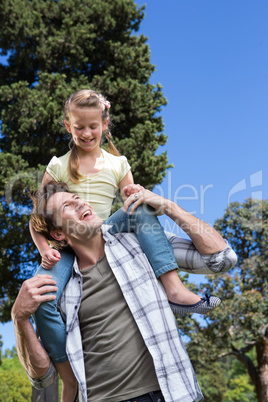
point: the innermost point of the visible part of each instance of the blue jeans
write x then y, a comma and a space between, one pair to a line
155, 396
47, 318
153, 241
155, 245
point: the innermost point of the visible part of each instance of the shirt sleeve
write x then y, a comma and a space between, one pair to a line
46, 380
124, 168
190, 260
54, 168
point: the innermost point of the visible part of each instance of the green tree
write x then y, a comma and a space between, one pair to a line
240, 387
54, 48
208, 378
239, 390
14, 382
1, 344
224, 380
10, 353
240, 324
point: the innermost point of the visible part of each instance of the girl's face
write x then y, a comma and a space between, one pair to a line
86, 127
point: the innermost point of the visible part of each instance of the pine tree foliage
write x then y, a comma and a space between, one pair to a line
53, 48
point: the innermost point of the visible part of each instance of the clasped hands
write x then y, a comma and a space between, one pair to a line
137, 195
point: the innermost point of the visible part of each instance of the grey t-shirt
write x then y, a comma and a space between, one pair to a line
117, 363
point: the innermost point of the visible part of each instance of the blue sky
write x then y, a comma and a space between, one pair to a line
211, 58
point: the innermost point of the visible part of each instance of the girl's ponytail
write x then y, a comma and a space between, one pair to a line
111, 147
73, 165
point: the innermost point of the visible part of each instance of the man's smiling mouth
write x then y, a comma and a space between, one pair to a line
86, 213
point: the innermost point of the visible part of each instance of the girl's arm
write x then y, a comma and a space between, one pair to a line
127, 186
128, 179
49, 256
46, 178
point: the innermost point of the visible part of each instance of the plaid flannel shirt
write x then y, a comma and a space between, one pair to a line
148, 303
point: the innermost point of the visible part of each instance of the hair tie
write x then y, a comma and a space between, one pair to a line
106, 103
108, 135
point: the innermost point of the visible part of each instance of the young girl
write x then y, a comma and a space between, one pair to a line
95, 175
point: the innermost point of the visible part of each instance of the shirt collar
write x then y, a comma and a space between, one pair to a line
76, 268
104, 228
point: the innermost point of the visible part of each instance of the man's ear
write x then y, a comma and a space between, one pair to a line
57, 235
67, 125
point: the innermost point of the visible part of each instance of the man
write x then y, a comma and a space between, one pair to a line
122, 342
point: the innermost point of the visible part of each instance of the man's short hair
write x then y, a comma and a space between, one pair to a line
43, 220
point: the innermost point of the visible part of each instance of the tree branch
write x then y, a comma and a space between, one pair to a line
246, 361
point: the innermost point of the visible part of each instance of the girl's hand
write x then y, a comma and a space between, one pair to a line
132, 189
145, 196
50, 257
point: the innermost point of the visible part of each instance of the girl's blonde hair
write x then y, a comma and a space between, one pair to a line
86, 98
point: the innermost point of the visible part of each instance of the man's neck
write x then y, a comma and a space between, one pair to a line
89, 251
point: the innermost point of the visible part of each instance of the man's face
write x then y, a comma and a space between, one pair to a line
76, 217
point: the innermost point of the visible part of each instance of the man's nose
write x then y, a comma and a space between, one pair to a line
79, 204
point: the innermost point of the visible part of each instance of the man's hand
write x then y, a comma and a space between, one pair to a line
157, 202
50, 257
32, 293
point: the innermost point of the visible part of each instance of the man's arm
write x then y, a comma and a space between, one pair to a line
205, 238
31, 353
206, 253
